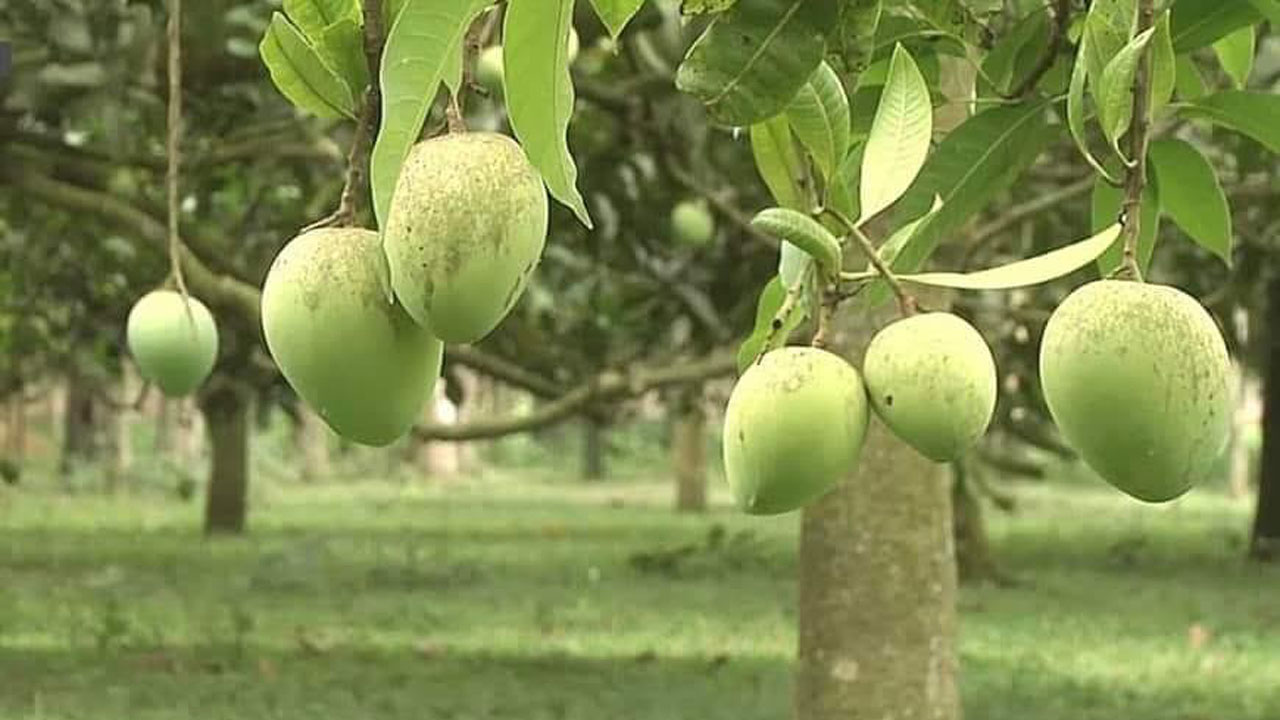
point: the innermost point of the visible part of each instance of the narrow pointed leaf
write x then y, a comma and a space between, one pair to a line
1025, 273
1235, 52
413, 65
771, 300
342, 46
313, 16
1191, 195
539, 92
1269, 9
819, 116
1250, 113
854, 40
301, 74
900, 135
778, 162
1198, 23
1115, 92
1190, 83
1164, 73
615, 14
1076, 117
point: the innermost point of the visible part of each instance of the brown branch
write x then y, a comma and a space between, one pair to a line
1019, 213
503, 370
906, 303
1136, 173
1057, 32
607, 386
220, 290
173, 146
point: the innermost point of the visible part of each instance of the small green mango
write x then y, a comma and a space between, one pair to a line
793, 429
466, 229
932, 380
349, 350
1137, 377
693, 223
174, 342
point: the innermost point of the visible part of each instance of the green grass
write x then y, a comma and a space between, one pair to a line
505, 598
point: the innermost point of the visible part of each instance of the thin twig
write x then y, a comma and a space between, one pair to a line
174, 149
1057, 31
790, 303
906, 303
1136, 173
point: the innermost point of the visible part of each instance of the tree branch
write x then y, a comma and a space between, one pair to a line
607, 386
1136, 173
1019, 213
500, 369
1057, 31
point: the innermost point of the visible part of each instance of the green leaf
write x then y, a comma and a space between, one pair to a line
539, 92
976, 163
1106, 207
1107, 29
1197, 23
778, 162
342, 45
313, 16
1014, 54
1235, 52
1164, 74
1190, 84
1024, 273
878, 291
792, 264
413, 65
842, 191
1270, 9
754, 58
1191, 195
802, 231
1075, 106
1115, 91
900, 135
1250, 113
453, 70
300, 73
771, 300
819, 116
855, 37
615, 14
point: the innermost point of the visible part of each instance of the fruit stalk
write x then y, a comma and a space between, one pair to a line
1139, 130
173, 145
906, 303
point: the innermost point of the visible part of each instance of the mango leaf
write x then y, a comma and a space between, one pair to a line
842, 190
753, 59
1270, 9
301, 74
1250, 113
1106, 206
539, 92
1075, 107
778, 162
1164, 73
1191, 195
1006, 64
854, 40
1197, 23
819, 116
1024, 273
1190, 83
615, 14
878, 291
1235, 52
342, 45
313, 16
1115, 92
1107, 29
771, 300
413, 65
976, 163
792, 264
900, 135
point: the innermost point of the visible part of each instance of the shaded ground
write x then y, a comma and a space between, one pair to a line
508, 599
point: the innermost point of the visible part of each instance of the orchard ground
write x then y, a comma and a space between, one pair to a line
540, 597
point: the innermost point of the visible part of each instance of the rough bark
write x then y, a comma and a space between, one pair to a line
1264, 544
595, 448
312, 438
15, 439
79, 444
878, 580
226, 412
689, 450
974, 561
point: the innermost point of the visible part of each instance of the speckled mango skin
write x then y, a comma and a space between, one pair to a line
172, 349
793, 429
350, 352
466, 229
932, 381
1137, 378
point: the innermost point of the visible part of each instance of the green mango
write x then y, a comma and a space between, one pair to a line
466, 229
693, 223
348, 349
793, 429
932, 380
174, 342
1137, 377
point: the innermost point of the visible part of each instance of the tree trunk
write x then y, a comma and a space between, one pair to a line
15, 439
595, 448
973, 552
78, 442
1265, 543
689, 450
312, 437
226, 411
167, 411
878, 580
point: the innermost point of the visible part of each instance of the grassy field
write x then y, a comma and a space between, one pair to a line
508, 598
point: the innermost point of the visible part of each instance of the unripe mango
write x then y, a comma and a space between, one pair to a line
349, 350
173, 340
466, 228
932, 380
1137, 378
793, 429
693, 223
491, 69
